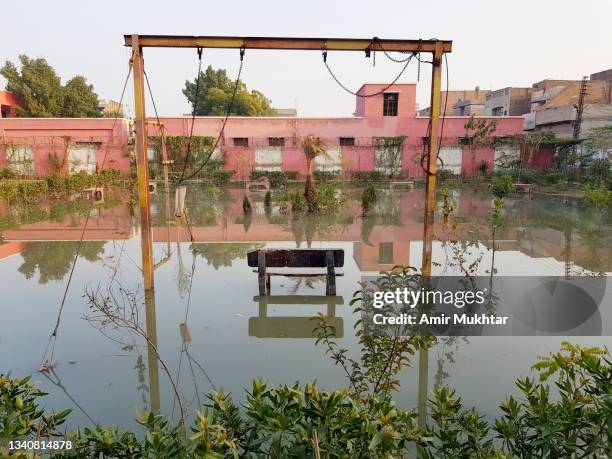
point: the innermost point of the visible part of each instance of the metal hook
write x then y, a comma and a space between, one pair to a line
324, 55
199, 53
242, 50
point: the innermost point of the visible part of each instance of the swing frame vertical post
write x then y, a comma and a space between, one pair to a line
430, 205
142, 165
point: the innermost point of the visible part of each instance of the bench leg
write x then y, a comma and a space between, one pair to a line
261, 267
331, 274
268, 284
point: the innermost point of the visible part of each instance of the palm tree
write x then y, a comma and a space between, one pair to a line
313, 147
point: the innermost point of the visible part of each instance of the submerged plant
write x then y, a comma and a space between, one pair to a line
313, 147
368, 199
246, 206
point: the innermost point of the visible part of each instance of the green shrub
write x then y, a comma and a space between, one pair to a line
501, 185
599, 169
7, 174
368, 198
597, 196
368, 176
326, 176
446, 174
329, 197
246, 206
220, 177
303, 421
24, 190
268, 199
297, 201
550, 178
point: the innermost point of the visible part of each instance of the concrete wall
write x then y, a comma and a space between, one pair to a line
56, 136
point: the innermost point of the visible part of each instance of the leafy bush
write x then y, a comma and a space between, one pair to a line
268, 199
599, 169
368, 198
297, 201
7, 174
24, 190
597, 196
246, 206
326, 176
368, 176
445, 174
501, 185
303, 421
220, 177
329, 197
277, 178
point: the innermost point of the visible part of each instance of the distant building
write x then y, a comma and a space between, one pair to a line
508, 102
110, 108
603, 75
554, 103
9, 103
460, 103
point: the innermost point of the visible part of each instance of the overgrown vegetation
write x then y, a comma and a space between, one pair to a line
304, 421
368, 199
278, 179
55, 184
312, 147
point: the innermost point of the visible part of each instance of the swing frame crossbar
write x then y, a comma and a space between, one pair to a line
436, 47
279, 43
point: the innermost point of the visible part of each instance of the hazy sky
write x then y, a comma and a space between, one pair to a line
496, 44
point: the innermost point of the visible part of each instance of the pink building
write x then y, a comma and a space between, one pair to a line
384, 134
34, 147
363, 142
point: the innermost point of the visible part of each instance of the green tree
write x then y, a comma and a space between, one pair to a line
40, 89
215, 94
80, 100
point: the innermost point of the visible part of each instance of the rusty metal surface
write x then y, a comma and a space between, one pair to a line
296, 258
142, 167
295, 43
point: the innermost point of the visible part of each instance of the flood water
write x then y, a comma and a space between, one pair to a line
211, 331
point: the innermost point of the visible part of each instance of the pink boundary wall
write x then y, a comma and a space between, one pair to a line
51, 135
54, 136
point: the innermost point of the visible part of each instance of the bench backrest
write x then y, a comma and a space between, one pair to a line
296, 258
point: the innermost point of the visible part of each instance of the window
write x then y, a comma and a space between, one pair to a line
82, 158
390, 100
241, 141
497, 111
385, 252
347, 141
276, 141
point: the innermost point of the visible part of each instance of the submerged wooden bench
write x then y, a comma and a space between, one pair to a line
524, 187
296, 263
258, 185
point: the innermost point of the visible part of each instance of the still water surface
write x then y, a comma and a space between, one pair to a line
211, 332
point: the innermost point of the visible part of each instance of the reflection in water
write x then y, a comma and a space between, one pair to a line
264, 326
53, 259
540, 235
